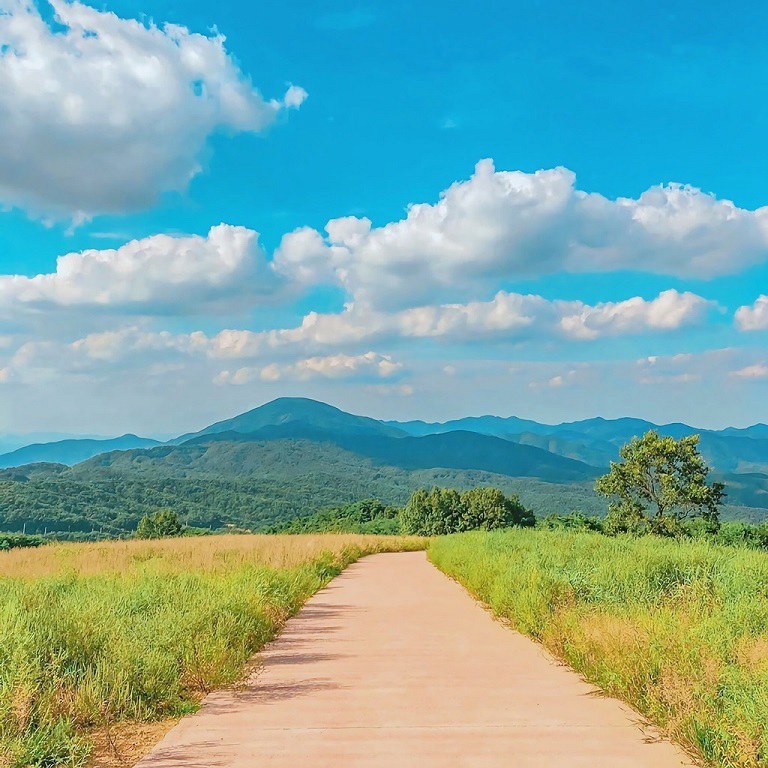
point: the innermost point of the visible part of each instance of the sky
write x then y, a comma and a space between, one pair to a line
426, 210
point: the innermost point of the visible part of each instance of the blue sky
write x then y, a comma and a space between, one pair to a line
391, 105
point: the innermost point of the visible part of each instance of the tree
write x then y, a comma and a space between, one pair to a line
489, 508
444, 510
159, 525
658, 483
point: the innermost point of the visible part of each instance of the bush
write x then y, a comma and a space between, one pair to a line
13, 540
443, 510
162, 524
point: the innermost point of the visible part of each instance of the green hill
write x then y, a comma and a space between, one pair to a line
297, 410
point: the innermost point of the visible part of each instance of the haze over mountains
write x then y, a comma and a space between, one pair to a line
294, 455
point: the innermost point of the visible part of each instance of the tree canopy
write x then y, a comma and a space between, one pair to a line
659, 482
161, 524
444, 510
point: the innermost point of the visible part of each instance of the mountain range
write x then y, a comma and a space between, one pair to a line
71, 451
294, 455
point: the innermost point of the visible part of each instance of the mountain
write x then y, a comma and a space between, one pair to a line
452, 450
297, 410
756, 430
11, 442
248, 483
293, 456
71, 452
498, 426
597, 441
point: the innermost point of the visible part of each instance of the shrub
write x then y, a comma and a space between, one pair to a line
162, 524
443, 510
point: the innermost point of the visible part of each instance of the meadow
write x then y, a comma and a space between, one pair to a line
678, 629
97, 637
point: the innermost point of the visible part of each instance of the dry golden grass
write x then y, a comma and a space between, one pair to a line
99, 640
209, 554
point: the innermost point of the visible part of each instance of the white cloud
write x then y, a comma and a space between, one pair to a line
106, 113
755, 371
505, 225
368, 365
507, 317
669, 311
755, 317
157, 275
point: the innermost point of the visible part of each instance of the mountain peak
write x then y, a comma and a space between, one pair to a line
297, 410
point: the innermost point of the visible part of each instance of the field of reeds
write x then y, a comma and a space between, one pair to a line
677, 629
94, 636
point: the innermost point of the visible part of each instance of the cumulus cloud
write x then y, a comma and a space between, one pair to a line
102, 114
503, 225
507, 317
157, 275
755, 317
368, 365
669, 311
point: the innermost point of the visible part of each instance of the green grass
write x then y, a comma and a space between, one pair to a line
677, 629
94, 635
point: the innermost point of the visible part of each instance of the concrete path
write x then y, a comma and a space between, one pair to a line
395, 665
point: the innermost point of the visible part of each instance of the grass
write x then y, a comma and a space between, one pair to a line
677, 629
94, 636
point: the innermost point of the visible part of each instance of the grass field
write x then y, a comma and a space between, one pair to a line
677, 629
94, 636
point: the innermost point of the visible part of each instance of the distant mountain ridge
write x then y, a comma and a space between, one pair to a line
596, 441
592, 441
71, 452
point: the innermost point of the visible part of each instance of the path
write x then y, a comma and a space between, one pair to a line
395, 665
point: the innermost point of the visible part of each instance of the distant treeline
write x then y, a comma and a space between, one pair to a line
428, 513
15, 540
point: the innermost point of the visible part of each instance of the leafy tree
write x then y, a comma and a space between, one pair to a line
444, 510
489, 508
659, 483
159, 525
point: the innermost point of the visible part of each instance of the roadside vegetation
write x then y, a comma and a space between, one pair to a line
93, 636
432, 512
678, 629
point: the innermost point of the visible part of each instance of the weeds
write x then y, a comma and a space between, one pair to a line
677, 629
93, 635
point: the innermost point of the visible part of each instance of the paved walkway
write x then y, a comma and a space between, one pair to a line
395, 665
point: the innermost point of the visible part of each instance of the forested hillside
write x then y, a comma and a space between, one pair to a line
293, 457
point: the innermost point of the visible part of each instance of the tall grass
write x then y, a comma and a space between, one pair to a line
97, 634
677, 629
